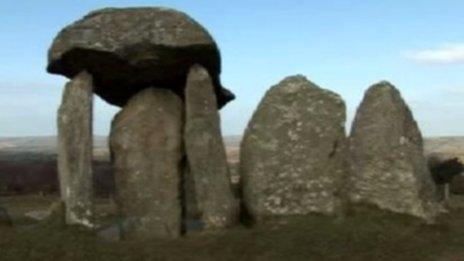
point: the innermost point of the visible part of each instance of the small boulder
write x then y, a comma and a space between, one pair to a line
5, 219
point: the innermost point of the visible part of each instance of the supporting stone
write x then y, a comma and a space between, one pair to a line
75, 149
146, 147
190, 204
388, 167
292, 155
206, 153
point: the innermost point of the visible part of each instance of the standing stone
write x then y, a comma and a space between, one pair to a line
293, 151
388, 168
75, 150
206, 154
146, 147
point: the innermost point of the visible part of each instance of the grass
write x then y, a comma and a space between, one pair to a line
362, 233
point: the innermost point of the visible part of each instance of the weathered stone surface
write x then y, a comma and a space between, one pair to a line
388, 168
206, 153
146, 147
129, 49
75, 150
5, 219
189, 199
292, 154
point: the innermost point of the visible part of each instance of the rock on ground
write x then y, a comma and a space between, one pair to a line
5, 219
75, 150
388, 167
146, 147
293, 151
206, 155
129, 49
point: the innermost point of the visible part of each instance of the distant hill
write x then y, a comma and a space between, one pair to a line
47, 145
40, 143
447, 145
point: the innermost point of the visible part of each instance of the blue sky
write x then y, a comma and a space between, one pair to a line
344, 46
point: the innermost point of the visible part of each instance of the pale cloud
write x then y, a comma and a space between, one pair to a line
455, 91
446, 54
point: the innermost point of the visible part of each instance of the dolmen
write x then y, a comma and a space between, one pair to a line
163, 69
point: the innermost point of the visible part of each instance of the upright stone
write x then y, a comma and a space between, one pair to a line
75, 150
206, 153
146, 149
293, 151
388, 167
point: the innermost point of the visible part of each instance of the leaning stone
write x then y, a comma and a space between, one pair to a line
146, 146
130, 49
206, 154
388, 167
75, 150
293, 151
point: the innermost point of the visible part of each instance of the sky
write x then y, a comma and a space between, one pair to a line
343, 46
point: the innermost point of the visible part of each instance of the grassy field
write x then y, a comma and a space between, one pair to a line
361, 233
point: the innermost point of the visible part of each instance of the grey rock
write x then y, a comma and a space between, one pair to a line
109, 233
38, 215
292, 156
56, 214
5, 219
129, 49
75, 149
388, 168
206, 155
146, 148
